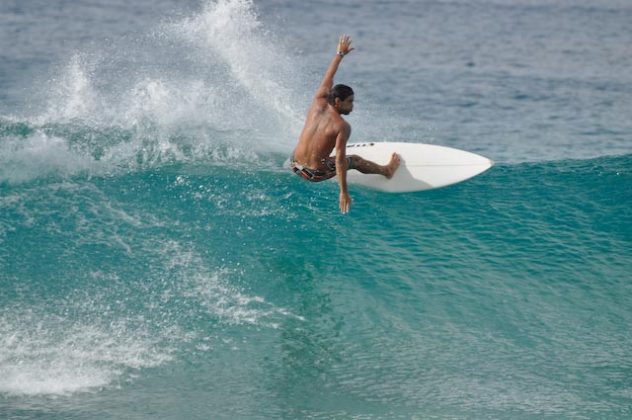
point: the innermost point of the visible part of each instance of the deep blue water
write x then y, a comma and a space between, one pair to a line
157, 260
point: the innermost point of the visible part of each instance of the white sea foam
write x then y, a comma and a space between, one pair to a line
45, 354
216, 291
40, 155
214, 86
95, 337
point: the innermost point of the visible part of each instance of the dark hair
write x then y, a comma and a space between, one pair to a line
339, 91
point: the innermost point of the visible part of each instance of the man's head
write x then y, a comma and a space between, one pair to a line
341, 98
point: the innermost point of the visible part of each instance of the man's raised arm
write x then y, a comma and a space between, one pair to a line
344, 48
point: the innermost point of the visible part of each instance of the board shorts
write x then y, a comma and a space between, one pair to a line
316, 175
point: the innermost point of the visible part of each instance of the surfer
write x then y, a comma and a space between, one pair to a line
325, 130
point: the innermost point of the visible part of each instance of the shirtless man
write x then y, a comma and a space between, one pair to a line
325, 129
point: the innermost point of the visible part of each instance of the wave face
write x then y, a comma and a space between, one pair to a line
494, 295
157, 259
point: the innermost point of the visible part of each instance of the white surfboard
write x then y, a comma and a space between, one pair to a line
423, 166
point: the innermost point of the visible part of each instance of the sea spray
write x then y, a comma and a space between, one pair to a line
214, 86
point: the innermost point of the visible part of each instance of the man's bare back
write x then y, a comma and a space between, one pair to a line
325, 130
318, 139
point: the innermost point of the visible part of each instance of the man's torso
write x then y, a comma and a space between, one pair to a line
318, 138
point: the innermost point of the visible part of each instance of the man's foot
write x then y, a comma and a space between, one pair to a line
392, 166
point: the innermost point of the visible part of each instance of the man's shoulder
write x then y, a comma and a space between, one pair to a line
342, 125
320, 102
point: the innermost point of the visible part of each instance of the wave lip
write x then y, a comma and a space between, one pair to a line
38, 155
31, 151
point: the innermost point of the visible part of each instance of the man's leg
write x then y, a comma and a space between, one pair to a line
368, 167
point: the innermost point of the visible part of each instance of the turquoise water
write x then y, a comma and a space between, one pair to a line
157, 260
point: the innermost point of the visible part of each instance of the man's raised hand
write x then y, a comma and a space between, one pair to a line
344, 45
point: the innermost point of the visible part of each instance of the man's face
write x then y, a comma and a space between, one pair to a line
345, 107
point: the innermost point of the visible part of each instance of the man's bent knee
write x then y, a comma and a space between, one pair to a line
354, 161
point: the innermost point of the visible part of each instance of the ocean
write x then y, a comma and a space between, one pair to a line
158, 261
